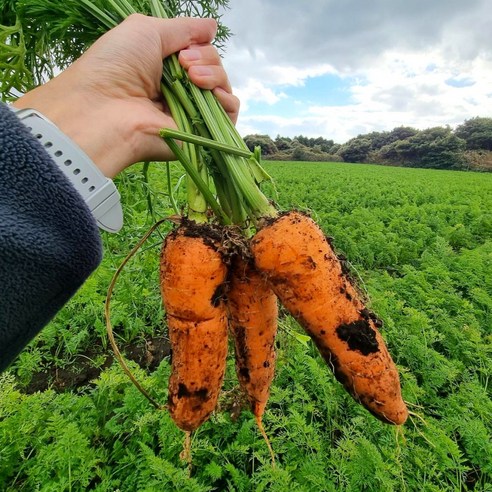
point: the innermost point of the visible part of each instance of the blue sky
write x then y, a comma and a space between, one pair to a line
320, 90
337, 69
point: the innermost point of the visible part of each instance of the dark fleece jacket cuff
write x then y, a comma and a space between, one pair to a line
49, 241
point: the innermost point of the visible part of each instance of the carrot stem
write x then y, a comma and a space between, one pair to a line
205, 142
198, 181
99, 14
197, 203
174, 205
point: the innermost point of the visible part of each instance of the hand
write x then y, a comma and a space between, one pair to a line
109, 101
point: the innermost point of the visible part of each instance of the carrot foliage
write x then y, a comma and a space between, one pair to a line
70, 419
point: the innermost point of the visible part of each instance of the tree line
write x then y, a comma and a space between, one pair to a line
469, 146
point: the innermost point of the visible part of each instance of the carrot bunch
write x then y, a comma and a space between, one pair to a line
216, 280
209, 290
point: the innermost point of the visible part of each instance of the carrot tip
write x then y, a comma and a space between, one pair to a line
259, 423
185, 454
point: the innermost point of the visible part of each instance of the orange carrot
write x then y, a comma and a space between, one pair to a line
253, 312
308, 279
192, 277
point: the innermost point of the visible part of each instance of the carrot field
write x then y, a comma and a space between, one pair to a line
419, 243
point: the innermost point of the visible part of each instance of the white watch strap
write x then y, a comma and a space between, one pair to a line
98, 191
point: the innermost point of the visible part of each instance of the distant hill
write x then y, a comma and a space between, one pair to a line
468, 147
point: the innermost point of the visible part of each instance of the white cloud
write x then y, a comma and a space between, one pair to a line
255, 90
415, 63
290, 75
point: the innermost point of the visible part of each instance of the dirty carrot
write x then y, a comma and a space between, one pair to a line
192, 275
309, 280
253, 314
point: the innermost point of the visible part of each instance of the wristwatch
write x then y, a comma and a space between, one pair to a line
98, 191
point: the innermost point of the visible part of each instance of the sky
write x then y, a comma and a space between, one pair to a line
341, 68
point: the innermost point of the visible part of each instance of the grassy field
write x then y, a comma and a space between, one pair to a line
420, 242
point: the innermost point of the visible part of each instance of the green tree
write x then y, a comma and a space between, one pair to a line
283, 143
267, 145
377, 141
321, 143
401, 133
436, 147
477, 133
356, 150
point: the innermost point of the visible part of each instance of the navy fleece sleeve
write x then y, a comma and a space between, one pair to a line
49, 241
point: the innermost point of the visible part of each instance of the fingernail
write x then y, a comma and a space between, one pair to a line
219, 91
191, 55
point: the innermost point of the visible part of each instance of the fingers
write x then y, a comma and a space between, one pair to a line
204, 54
192, 38
229, 102
205, 69
181, 32
174, 34
209, 77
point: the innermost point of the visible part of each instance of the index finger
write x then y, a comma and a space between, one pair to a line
181, 32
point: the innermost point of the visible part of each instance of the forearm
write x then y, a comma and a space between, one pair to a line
49, 241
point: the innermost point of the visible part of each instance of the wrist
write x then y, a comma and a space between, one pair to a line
98, 192
78, 117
